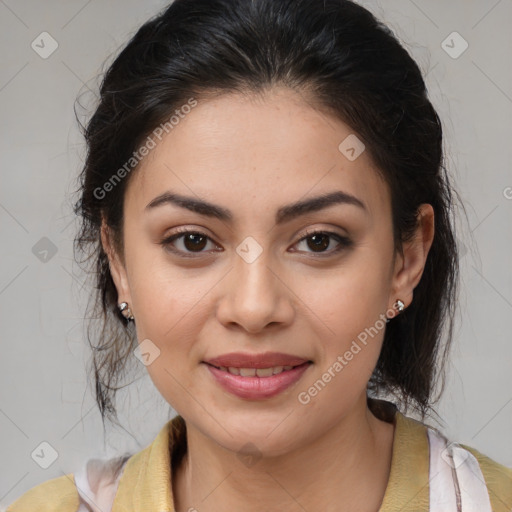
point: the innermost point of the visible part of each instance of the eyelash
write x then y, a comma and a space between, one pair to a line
344, 242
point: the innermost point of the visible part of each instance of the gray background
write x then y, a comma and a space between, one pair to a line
44, 394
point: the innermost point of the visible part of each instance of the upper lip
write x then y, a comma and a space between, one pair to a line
265, 360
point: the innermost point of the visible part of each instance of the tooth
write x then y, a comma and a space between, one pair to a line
252, 372
264, 372
247, 372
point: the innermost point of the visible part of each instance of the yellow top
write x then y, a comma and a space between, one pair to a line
145, 484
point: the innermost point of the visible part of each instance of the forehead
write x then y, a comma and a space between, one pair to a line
256, 152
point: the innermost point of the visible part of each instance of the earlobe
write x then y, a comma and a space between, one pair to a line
411, 263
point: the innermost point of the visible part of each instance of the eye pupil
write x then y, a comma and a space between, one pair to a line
190, 237
320, 241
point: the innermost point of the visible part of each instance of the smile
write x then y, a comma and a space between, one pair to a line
255, 372
257, 383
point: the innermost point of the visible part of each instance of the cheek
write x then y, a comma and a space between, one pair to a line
170, 308
351, 303
349, 299
170, 314
161, 292
354, 313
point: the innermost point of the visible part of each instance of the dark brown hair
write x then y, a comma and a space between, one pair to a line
346, 62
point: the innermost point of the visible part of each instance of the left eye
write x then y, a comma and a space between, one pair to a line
195, 242
321, 240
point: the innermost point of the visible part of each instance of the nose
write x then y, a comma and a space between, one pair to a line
255, 296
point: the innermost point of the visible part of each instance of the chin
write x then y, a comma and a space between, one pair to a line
248, 438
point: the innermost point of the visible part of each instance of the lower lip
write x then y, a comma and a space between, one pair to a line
257, 388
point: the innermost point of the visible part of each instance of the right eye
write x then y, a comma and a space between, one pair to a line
192, 242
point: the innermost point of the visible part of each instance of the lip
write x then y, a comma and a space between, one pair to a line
265, 360
258, 388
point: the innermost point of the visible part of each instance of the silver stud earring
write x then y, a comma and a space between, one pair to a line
125, 310
399, 305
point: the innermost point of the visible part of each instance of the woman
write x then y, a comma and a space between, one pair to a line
266, 208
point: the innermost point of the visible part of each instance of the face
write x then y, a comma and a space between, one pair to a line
258, 279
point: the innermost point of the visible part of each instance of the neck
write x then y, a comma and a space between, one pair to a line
345, 469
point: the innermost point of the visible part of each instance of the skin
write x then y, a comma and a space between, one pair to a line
253, 155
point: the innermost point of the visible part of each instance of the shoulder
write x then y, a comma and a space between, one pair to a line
423, 447
53, 495
93, 486
97, 481
498, 479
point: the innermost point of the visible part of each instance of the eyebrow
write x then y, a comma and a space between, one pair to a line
283, 214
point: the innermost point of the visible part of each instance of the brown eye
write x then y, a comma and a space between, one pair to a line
194, 241
191, 241
319, 241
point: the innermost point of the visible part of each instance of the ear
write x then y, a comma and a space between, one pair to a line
116, 265
410, 264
